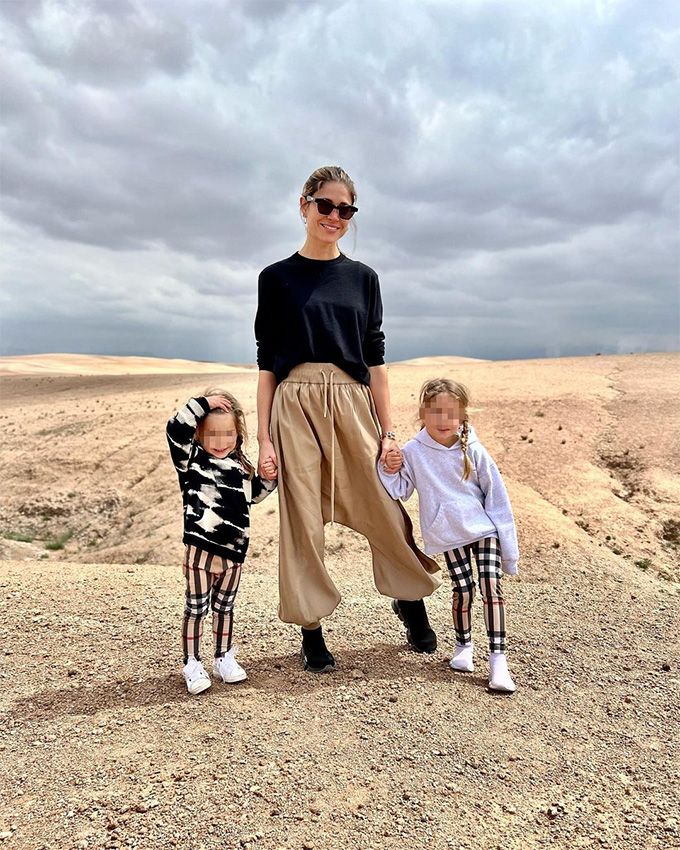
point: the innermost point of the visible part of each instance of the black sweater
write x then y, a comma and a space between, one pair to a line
216, 492
319, 311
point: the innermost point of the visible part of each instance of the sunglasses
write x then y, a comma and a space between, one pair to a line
325, 207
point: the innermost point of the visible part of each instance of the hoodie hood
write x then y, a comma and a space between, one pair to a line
423, 437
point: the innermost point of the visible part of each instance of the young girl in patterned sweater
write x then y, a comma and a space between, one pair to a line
218, 485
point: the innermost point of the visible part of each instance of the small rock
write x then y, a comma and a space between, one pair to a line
666, 668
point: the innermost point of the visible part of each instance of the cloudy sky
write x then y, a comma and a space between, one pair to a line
516, 163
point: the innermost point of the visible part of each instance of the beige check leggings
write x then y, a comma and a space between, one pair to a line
211, 581
487, 554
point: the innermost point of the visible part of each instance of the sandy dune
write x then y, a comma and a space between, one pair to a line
101, 747
99, 364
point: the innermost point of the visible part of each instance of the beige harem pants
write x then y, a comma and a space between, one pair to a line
327, 441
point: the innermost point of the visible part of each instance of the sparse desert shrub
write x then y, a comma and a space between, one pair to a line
18, 536
59, 541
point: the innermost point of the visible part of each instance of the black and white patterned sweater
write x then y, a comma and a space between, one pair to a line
216, 492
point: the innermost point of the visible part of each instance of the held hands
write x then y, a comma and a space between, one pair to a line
267, 465
393, 460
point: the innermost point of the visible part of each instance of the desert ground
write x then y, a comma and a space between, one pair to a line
101, 746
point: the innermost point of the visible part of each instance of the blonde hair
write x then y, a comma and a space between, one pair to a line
432, 388
239, 421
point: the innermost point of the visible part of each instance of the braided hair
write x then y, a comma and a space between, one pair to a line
433, 388
239, 421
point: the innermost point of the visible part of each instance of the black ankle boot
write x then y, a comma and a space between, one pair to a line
315, 655
414, 616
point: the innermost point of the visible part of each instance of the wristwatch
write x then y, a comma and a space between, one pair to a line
388, 434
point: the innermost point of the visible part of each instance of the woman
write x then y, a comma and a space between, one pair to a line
324, 416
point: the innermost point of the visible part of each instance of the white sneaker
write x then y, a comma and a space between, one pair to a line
228, 668
462, 658
195, 676
499, 675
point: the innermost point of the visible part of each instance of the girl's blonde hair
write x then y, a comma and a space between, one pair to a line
435, 387
239, 421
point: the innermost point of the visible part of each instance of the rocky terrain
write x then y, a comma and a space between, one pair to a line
101, 746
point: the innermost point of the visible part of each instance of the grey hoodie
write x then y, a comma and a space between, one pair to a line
454, 512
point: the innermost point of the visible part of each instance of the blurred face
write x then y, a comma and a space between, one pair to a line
219, 434
442, 416
327, 228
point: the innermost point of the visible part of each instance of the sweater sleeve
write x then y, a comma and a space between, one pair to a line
374, 339
180, 432
400, 485
498, 508
265, 324
261, 489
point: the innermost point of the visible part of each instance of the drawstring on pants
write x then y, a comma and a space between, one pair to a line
328, 382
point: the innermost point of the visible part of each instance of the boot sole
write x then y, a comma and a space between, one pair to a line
329, 668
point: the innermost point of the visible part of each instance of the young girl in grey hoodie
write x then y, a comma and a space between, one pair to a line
465, 513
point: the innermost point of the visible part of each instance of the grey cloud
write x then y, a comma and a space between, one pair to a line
112, 43
523, 157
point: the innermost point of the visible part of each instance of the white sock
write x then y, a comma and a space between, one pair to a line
462, 658
499, 675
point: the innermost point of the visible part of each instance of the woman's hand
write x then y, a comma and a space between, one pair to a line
388, 444
267, 465
219, 401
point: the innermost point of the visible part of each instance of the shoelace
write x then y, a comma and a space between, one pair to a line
328, 383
